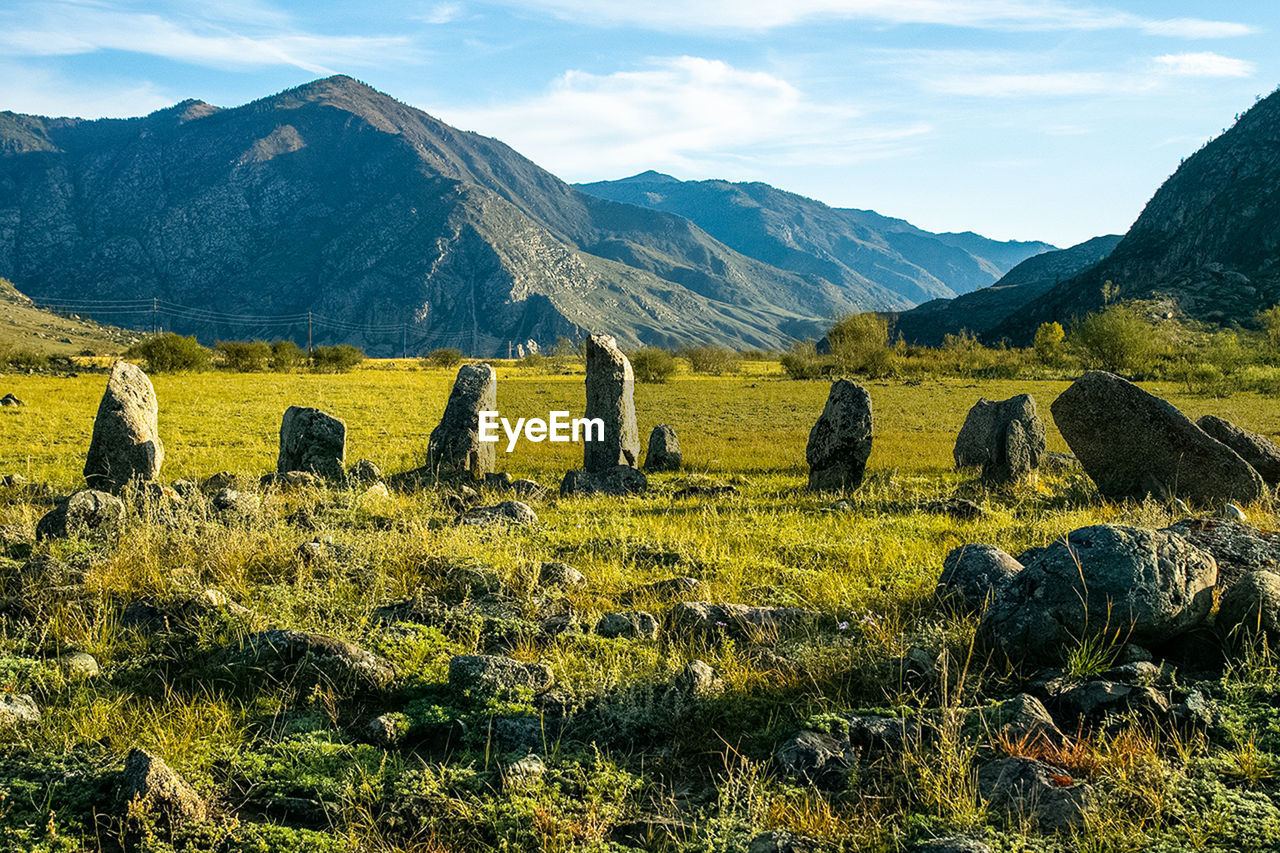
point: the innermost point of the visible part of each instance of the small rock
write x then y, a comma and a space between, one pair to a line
632, 624
1231, 512
291, 480
1252, 606
667, 590
507, 512
619, 481
1026, 788
563, 575
708, 490
1095, 700
815, 757
950, 844
159, 791
783, 841
527, 488
86, 514
740, 621
489, 675
18, 709
961, 509
664, 450
10, 400
235, 502
364, 471
697, 680
283, 654
524, 772
974, 574
312, 441
79, 664
387, 730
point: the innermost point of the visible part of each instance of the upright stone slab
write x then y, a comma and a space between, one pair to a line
311, 440
664, 450
1133, 444
126, 439
840, 441
1259, 451
1007, 438
455, 444
610, 397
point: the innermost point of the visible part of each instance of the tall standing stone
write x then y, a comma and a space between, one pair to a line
1006, 438
455, 444
840, 442
610, 397
1133, 444
313, 441
126, 439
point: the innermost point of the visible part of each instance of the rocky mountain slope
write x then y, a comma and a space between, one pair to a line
1208, 241
23, 326
982, 310
337, 199
847, 247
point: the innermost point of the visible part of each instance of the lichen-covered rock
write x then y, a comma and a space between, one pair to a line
840, 442
707, 620
1006, 438
664, 450
610, 397
126, 443
1146, 585
303, 659
455, 445
974, 574
1133, 444
562, 575
1259, 451
152, 789
1024, 788
507, 512
492, 675
697, 680
618, 481
1237, 548
631, 624
17, 709
1252, 605
88, 514
311, 440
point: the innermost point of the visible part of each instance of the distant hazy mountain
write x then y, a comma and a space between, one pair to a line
850, 248
1208, 241
337, 199
982, 310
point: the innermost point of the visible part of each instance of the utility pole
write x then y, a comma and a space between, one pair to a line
508, 350
155, 307
404, 340
308, 334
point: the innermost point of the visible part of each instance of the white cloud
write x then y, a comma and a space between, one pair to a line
39, 92
1203, 65
682, 114
442, 13
760, 15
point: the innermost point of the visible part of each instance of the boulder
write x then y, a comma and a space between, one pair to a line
704, 620
1096, 699
1006, 438
365, 472
1024, 788
312, 441
1133, 444
151, 787
1112, 581
1252, 606
696, 680
974, 574
610, 397
455, 445
619, 481
289, 655
126, 438
87, 514
507, 512
1236, 547
631, 624
1257, 450
664, 450
493, 675
10, 400
840, 442
560, 575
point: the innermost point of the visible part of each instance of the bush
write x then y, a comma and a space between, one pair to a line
712, 360
802, 361
652, 364
860, 344
244, 356
336, 359
169, 352
286, 355
443, 358
1048, 342
1119, 339
23, 359
1270, 320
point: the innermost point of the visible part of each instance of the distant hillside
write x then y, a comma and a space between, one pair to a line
24, 326
340, 200
850, 248
982, 310
1208, 241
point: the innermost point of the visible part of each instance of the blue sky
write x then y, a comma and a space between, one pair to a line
1026, 119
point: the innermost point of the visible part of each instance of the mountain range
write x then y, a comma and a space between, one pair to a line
336, 199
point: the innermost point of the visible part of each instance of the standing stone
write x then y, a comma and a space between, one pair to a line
1133, 444
311, 440
664, 450
455, 444
610, 397
840, 441
126, 439
1006, 438
1257, 450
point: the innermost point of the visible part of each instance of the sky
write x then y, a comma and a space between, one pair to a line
1048, 120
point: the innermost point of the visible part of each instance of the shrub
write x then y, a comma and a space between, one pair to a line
1048, 342
712, 360
860, 344
336, 359
169, 352
1118, 339
286, 355
24, 359
802, 361
652, 364
443, 358
564, 348
244, 356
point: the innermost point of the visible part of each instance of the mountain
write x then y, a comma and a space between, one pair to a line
1208, 241
850, 248
386, 223
982, 310
23, 326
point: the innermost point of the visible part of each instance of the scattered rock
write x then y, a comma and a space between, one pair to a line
818, 758
17, 709
840, 442
1231, 512
291, 480
507, 512
619, 481
563, 575
235, 502
950, 844
126, 439
491, 675
1096, 699
1252, 605
1006, 438
79, 664
87, 514
664, 450
455, 445
365, 472
528, 488
961, 509
631, 624
696, 681
671, 589
1257, 450
1236, 547
10, 400
312, 441
974, 574
1133, 444
1026, 788
1147, 585
524, 772
783, 841
497, 480
149, 785
740, 621
610, 397
387, 730
286, 654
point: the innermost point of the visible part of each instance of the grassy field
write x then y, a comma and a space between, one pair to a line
288, 770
